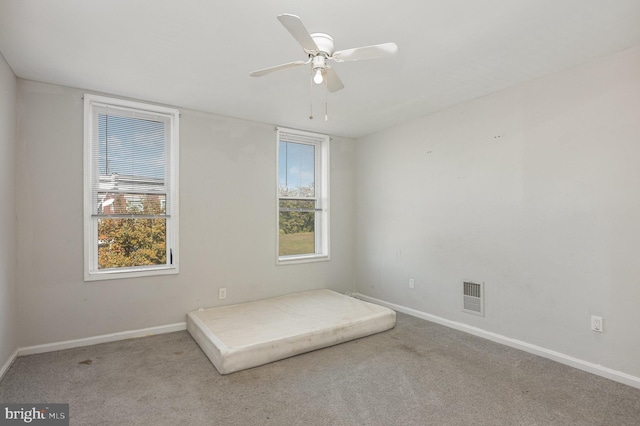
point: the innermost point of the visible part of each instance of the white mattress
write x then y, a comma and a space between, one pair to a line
242, 336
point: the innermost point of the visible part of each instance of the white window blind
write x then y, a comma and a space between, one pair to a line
133, 170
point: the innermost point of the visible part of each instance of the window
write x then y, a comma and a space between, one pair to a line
303, 196
130, 189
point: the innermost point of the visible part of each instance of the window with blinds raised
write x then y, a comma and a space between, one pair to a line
303, 196
131, 189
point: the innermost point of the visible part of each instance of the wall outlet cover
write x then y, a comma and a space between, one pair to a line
597, 324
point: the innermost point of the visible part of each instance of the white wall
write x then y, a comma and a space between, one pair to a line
533, 190
8, 259
227, 224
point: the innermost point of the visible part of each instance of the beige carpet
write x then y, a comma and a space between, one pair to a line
418, 373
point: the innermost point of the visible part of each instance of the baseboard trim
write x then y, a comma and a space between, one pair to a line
104, 338
587, 366
7, 364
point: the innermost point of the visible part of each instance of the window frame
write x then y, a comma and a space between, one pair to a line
321, 233
172, 116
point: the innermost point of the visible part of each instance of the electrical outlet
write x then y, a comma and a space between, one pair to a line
222, 293
412, 283
596, 324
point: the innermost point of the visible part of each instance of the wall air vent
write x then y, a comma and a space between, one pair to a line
473, 298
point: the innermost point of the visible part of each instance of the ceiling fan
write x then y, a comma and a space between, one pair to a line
319, 49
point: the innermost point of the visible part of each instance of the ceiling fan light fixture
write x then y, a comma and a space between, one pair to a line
319, 62
317, 78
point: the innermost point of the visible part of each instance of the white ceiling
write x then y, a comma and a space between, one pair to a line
197, 54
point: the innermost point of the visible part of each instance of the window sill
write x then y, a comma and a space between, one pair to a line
294, 260
130, 273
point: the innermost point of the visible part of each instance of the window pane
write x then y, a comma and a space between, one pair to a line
296, 169
131, 242
117, 203
297, 227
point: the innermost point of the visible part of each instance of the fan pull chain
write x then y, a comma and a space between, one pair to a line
326, 102
311, 97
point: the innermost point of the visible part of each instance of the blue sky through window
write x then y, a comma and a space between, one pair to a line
296, 166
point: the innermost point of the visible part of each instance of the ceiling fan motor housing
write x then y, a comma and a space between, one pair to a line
324, 43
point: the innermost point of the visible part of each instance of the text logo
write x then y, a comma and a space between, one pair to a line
34, 414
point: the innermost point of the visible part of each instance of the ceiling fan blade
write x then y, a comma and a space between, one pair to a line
377, 51
294, 25
269, 70
333, 81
